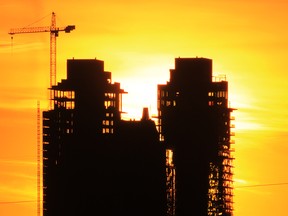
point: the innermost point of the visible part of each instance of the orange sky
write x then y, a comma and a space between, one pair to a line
138, 40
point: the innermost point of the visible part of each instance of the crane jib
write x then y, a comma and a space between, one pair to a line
67, 29
53, 35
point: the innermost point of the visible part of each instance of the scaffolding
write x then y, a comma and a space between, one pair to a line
220, 191
170, 183
180, 97
85, 108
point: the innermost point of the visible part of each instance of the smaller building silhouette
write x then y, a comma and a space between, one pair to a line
95, 163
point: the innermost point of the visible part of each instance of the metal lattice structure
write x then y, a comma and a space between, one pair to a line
39, 161
54, 32
194, 123
220, 191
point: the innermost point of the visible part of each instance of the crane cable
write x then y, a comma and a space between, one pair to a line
262, 185
38, 20
11, 45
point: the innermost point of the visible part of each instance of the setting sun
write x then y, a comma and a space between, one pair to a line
138, 41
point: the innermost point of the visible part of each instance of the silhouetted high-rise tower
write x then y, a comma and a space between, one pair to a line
194, 125
94, 163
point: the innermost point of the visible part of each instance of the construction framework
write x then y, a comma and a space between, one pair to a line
54, 33
93, 161
220, 191
205, 98
84, 138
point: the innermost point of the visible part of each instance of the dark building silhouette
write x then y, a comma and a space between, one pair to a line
94, 163
194, 125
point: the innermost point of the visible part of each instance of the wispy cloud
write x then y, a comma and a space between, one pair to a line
17, 180
21, 97
19, 47
5, 45
17, 162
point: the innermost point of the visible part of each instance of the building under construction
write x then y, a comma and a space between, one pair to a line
95, 163
194, 125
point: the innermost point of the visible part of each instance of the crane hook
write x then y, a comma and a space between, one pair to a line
11, 44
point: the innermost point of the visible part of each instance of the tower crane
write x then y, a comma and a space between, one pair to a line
54, 32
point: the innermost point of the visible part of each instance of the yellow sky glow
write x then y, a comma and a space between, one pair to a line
138, 42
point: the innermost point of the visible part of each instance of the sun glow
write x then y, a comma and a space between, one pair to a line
142, 90
138, 42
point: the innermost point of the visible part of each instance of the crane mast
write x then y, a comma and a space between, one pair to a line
54, 32
53, 35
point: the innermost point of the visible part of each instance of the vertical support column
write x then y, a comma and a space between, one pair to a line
39, 159
53, 35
